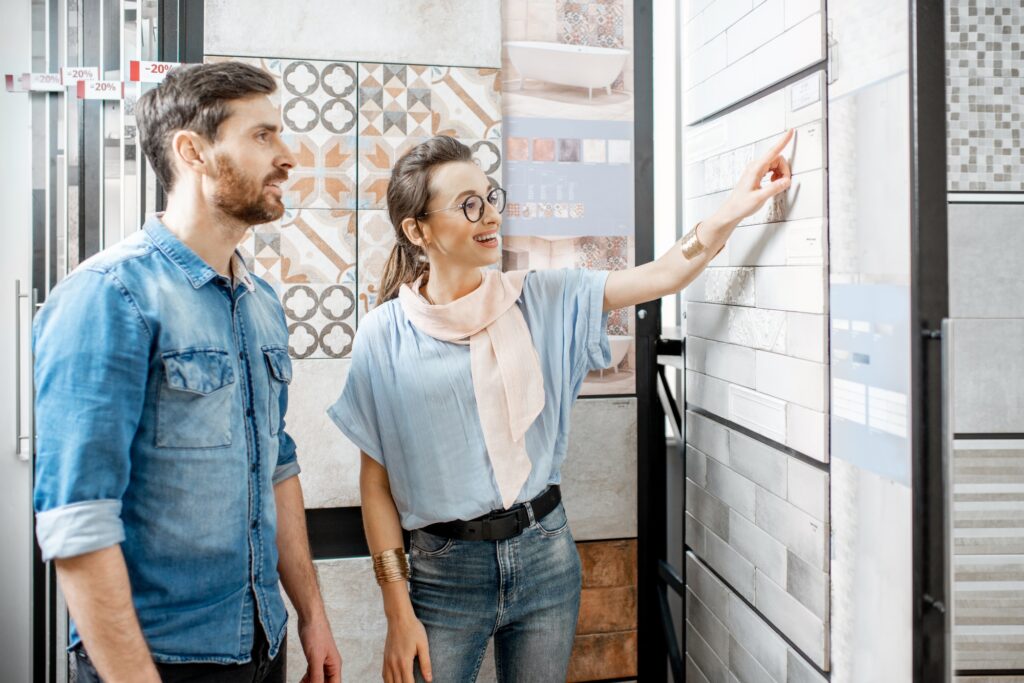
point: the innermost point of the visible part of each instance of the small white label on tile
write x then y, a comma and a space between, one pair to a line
805, 92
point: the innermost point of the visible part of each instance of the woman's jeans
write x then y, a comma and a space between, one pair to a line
524, 591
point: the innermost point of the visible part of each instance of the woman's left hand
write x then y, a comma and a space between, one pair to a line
749, 196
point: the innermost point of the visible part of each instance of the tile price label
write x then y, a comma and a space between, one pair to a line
100, 90
150, 72
69, 75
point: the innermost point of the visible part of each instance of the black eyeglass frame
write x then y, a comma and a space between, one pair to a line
495, 192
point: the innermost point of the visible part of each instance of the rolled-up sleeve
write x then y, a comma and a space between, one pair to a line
91, 347
355, 411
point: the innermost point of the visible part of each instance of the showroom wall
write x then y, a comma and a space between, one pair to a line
385, 77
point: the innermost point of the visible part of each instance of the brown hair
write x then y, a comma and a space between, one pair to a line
195, 98
408, 196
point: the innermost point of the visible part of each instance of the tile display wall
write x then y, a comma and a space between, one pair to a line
985, 95
728, 641
735, 48
757, 317
759, 519
757, 475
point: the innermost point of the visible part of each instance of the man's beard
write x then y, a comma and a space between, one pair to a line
243, 198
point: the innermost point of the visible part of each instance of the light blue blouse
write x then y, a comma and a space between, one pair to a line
409, 404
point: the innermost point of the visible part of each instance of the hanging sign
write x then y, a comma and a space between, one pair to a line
100, 90
43, 82
15, 83
150, 72
69, 75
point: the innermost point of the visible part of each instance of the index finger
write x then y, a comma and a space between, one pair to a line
778, 146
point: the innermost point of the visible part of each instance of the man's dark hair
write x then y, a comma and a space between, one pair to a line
196, 98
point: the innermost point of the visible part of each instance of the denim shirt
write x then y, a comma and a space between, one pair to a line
161, 395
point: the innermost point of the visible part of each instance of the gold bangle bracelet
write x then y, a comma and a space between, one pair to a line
391, 565
690, 245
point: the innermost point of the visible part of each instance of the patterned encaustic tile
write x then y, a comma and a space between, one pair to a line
319, 123
376, 239
596, 23
377, 156
985, 95
306, 246
321, 320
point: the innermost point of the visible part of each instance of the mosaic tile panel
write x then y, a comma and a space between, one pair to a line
985, 95
321, 320
376, 239
596, 23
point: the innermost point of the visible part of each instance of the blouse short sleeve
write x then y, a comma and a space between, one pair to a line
355, 412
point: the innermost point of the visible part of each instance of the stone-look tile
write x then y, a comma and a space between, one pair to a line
717, 618
321, 320
350, 597
412, 32
707, 509
599, 473
986, 258
735, 491
608, 564
760, 463
799, 335
329, 461
730, 565
804, 628
696, 466
988, 376
807, 584
807, 432
603, 655
376, 240
732, 286
707, 436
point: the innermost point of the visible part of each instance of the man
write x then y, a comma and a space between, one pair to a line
166, 489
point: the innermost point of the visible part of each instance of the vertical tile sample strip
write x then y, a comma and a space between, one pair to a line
756, 318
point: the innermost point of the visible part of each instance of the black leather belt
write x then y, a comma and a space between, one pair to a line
499, 526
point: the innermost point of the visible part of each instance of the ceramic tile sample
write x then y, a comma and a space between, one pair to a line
728, 641
329, 461
599, 473
736, 48
411, 32
988, 547
759, 518
986, 258
983, 95
606, 632
987, 376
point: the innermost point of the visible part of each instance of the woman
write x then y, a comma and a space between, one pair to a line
459, 395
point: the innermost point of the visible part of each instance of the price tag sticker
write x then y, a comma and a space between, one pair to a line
41, 82
150, 72
14, 82
69, 75
100, 90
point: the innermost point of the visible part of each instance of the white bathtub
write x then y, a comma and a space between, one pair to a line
619, 344
576, 65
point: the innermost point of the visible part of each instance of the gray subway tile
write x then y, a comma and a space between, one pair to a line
695, 535
732, 489
807, 584
799, 671
733, 567
797, 530
708, 510
707, 436
696, 466
759, 462
800, 625
704, 656
808, 489
713, 631
758, 638
747, 669
766, 553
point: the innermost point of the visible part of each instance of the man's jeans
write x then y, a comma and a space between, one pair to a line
261, 669
525, 592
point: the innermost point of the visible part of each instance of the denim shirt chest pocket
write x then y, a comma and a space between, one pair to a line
196, 399
279, 367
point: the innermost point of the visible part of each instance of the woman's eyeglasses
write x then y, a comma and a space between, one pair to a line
473, 206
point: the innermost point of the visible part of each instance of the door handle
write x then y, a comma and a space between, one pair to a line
22, 442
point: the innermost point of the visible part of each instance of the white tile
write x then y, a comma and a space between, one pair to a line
707, 392
758, 120
764, 552
764, 414
706, 61
733, 567
803, 627
791, 288
759, 245
329, 461
722, 14
759, 462
722, 285
599, 473
696, 466
797, 381
707, 509
758, 638
808, 585
808, 489
806, 336
619, 152
805, 536
707, 436
392, 31
798, 10
725, 361
808, 432
807, 150
806, 242
795, 49
732, 489
750, 327
755, 29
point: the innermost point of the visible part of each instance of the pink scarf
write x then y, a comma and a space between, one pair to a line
507, 379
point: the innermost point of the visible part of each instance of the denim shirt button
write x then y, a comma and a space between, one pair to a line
249, 412
241, 356
254, 523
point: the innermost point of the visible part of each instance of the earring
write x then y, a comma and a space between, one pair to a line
422, 258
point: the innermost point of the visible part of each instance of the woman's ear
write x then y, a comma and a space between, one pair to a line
413, 230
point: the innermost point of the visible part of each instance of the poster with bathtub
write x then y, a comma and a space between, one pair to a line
567, 104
